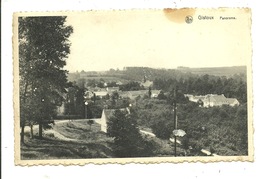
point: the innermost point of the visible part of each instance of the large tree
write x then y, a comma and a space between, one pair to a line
127, 138
43, 50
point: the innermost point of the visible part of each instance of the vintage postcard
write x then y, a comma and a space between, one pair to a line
133, 86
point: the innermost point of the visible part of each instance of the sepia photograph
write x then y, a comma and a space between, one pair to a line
133, 86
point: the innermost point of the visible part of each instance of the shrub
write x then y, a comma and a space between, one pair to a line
163, 129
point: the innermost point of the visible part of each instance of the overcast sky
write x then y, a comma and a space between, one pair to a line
115, 39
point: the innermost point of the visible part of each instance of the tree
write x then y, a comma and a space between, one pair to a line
128, 141
161, 96
131, 86
43, 50
90, 123
114, 97
150, 92
94, 98
80, 102
163, 129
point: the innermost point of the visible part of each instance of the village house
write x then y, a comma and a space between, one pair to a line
211, 100
147, 84
101, 94
124, 94
141, 93
112, 89
233, 101
134, 94
155, 93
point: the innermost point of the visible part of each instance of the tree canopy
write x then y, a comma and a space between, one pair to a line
127, 138
43, 49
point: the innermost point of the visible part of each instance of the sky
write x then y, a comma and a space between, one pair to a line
159, 39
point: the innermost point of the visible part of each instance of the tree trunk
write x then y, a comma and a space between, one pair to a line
31, 131
40, 130
23, 120
22, 134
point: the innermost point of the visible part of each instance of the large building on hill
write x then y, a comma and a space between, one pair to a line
211, 100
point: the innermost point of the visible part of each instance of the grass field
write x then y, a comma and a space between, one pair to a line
76, 140
86, 143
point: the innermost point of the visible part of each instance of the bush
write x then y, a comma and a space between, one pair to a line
163, 129
212, 150
128, 142
61, 117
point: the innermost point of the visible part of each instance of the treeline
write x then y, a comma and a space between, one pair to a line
74, 102
131, 86
137, 73
222, 130
234, 87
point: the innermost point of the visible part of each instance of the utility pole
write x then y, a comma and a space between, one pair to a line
176, 132
175, 120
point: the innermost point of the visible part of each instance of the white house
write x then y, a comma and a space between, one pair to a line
233, 101
141, 93
147, 84
211, 100
101, 94
155, 93
219, 100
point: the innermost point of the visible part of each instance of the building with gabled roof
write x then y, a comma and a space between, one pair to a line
101, 94
141, 93
211, 100
233, 101
112, 89
147, 84
215, 100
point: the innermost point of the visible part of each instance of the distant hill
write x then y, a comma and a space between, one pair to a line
217, 71
141, 73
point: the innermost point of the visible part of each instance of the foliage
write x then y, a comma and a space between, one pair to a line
151, 111
74, 102
127, 139
90, 122
163, 129
220, 129
137, 73
131, 86
95, 110
180, 98
86, 143
150, 92
43, 50
233, 87
161, 95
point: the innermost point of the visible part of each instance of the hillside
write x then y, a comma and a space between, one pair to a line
76, 140
217, 71
68, 139
139, 73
